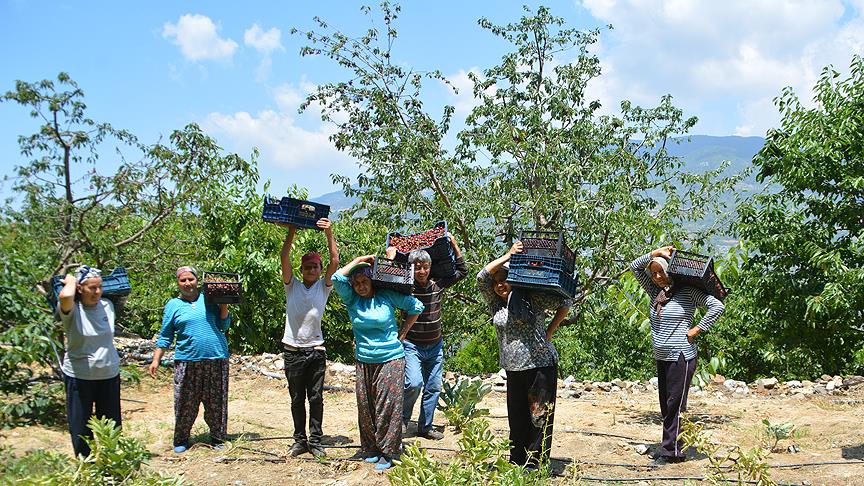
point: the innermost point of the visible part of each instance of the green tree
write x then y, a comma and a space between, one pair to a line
535, 154
804, 276
74, 207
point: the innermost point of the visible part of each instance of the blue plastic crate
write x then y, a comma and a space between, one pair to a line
537, 272
548, 243
115, 286
440, 251
299, 212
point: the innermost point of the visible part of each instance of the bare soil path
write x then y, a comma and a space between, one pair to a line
598, 430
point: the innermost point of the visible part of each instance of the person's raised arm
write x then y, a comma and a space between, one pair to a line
285, 255
67, 294
333, 263
496, 264
461, 267
361, 259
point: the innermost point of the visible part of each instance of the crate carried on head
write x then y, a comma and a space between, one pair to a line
115, 287
549, 244
393, 275
543, 273
697, 271
436, 243
299, 212
221, 288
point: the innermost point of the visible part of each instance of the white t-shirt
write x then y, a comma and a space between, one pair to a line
304, 309
90, 352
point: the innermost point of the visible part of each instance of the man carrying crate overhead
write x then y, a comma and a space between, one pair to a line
423, 342
303, 342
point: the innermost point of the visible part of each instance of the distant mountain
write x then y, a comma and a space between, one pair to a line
699, 154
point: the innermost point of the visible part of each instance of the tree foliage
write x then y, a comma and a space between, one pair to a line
536, 153
804, 271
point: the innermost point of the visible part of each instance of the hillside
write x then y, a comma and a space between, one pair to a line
700, 153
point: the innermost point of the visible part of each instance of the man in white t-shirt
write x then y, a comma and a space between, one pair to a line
303, 342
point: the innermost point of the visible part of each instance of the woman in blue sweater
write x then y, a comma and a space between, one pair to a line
380, 358
674, 340
200, 359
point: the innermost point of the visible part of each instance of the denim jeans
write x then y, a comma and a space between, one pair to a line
423, 367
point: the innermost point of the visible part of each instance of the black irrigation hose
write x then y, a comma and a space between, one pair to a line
676, 478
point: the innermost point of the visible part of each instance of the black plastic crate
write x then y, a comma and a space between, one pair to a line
115, 287
299, 212
393, 275
537, 272
221, 288
698, 271
548, 243
434, 241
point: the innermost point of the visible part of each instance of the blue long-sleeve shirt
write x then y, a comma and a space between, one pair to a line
199, 331
669, 329
373, 320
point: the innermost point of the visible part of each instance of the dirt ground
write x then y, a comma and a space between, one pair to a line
597, 430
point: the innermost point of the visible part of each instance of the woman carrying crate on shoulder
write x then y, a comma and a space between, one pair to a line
380, 358
200, 359
91, 365
303, 341
527, 355
674, 340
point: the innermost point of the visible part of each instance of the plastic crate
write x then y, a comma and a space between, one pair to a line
300, 213
537, 272
221, 288
115, 287
548, 243
440, 250
698, 271
393, 275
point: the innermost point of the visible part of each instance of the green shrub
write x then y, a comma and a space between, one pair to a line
459, 402
481, 459
115, 458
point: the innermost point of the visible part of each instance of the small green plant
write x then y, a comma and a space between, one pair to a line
777, 431
749, 465
459, 402
707, 370
482, 459
115, 458
131, 374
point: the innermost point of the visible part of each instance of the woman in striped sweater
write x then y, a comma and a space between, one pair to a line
200, 359
674, 338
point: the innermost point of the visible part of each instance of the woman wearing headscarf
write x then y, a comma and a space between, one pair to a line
91, 365
674, 340
527, 355
380, 358
200, 359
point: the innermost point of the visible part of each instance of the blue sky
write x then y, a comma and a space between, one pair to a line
234, 68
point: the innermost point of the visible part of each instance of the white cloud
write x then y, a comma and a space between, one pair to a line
293, 153
264, 42
702, 51
464, 101
198, 38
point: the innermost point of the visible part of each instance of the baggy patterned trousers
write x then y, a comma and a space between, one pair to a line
196, 382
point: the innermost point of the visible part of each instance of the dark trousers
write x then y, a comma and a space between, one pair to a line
304, 371
531, 413
673, 384
81, 397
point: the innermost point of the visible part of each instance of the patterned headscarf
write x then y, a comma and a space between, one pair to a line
182, 270
85, 273
362, 268
666, 293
